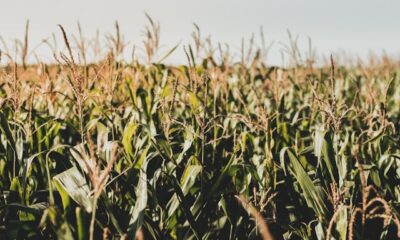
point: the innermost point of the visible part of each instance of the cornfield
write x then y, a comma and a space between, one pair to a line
223, 147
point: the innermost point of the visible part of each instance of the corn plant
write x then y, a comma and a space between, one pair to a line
219, 148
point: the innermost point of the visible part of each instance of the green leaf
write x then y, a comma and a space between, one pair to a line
187, 181
168, 53
323, 149
185, 207
35, 209
81, 228
129, 132
189, 138
143, 158
137, 213
74, 184
312, 194
5, 128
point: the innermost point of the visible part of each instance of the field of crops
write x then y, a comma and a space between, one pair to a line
224, 147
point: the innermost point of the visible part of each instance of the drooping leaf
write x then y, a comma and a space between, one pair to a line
74, 184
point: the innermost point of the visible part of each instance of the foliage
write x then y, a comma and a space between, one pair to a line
181, 152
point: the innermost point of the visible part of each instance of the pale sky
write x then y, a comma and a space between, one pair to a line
354, 26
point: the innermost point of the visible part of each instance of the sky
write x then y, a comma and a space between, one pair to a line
352, 26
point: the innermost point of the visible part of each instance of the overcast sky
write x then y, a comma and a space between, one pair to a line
355, 26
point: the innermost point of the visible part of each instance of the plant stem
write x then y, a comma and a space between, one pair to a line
93, 220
